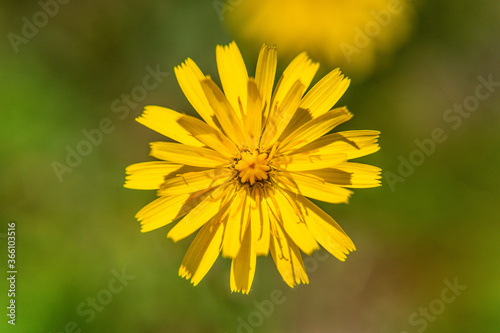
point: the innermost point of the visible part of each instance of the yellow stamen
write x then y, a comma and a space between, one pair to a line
252, 167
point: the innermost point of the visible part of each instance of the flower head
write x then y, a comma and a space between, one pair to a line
241, 176
352, 34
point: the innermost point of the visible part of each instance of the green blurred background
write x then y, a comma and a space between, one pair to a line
75, 234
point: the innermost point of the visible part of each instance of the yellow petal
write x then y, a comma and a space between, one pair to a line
212, 206
149, 175
233, 75
352, 143
282, 116
292, 222
302, 162
202, 252
260, 222
300, 117
265, 73
312, 187
224, 112
314, 129
191, 182
323, 96
326, 231
189, 77
301, 68
189, 155
253, 121
210, 136
348, 174
164, 121
163, 211
287, 258
243, 265
239, 216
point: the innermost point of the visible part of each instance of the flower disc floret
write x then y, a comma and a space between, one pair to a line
252, 167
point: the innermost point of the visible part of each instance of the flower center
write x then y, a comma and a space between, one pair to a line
252, 167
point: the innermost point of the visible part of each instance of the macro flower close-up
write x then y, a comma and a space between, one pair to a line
250, 166
244, 174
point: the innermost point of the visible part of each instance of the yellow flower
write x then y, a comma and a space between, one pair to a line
349, 34
243, 173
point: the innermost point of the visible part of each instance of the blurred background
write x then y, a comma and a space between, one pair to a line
427, 77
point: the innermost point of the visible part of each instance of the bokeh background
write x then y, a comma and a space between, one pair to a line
77, 232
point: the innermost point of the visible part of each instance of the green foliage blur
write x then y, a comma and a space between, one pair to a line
84, 266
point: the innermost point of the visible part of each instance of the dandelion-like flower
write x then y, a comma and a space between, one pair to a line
242, 175
356, 35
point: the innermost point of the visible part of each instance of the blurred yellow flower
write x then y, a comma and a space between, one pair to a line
242, 174
349, 34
